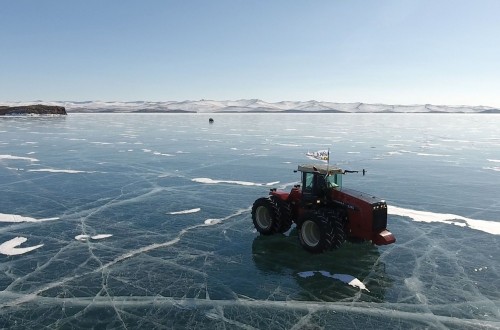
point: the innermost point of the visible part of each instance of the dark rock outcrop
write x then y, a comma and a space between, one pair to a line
37, 109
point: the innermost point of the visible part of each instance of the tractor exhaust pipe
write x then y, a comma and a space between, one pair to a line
350, 171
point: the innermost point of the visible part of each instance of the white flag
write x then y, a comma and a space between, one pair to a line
322, 155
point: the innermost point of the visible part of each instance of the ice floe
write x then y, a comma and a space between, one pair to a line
186, 211
491, 227
346, 278
10, 248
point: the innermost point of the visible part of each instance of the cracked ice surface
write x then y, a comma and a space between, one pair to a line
134, 239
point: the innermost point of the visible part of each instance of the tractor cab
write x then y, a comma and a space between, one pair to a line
318, 181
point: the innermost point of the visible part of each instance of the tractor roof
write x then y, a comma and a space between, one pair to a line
320, 168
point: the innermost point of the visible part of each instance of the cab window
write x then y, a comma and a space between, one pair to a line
308, 182
335, 181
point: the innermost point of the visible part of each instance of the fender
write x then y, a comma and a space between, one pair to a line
282, 195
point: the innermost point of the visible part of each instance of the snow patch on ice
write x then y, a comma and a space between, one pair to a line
212, 221
101, 236
272, 183
491, 227
10, 248
51, 170
102, 143
288, 145
242, 183
431, 155
346, 278
82, 237
480, 269
19, 218
157, 153
85, 237
11, 157
186, 211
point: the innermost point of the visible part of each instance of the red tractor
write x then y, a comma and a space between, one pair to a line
326, 214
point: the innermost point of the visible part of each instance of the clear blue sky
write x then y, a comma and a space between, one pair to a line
373, 51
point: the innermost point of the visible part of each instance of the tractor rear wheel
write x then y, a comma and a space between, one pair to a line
320, 231
271, 215
339, 220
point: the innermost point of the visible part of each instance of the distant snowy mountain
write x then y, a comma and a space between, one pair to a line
253, 105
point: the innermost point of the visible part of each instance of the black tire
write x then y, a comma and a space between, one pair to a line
285, 214
271, 215
320, 231
339, 219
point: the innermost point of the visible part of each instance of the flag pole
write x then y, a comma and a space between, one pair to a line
328, 162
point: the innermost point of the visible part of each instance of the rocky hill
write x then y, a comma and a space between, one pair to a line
37, 109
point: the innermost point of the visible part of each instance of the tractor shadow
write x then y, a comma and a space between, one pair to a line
283, 255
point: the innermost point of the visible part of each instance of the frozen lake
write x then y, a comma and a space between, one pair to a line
144, 221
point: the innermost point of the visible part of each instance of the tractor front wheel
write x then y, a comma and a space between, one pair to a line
320, 231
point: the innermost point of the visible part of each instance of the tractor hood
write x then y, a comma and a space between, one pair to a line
367, 198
